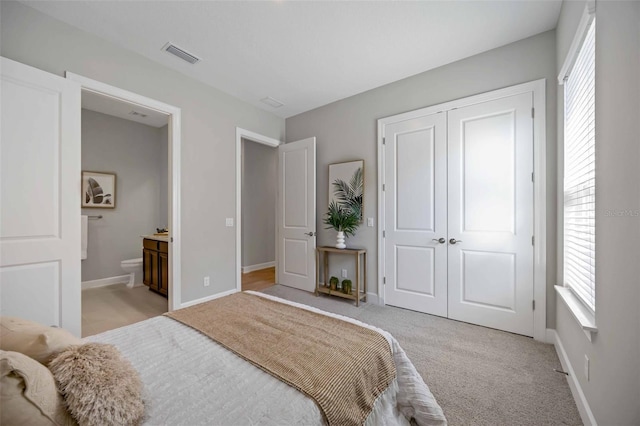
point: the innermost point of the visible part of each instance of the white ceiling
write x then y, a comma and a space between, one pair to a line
121, 109
307, 53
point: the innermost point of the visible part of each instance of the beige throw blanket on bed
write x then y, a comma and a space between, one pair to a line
343, 367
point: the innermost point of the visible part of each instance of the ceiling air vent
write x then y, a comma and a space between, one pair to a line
180, 53
272, 102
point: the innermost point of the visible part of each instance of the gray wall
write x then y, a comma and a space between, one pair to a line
132, 151
614, 386
346, 129
209, 120
259, 173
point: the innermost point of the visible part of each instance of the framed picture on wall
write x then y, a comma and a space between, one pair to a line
98, 190
346, 185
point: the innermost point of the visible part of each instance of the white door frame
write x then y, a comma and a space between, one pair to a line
174, 113
537, 87
265, 140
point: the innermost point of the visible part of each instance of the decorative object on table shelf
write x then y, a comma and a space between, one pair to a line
346, 286
98, 190
161, 232
343, 220
333, 282
346, 181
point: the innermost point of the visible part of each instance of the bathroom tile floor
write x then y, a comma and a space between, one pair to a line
106, 308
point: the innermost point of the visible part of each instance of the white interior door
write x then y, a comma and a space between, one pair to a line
40, 197
297, 214
415, 205
490, 216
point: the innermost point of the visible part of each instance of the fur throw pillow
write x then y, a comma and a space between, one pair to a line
99, 386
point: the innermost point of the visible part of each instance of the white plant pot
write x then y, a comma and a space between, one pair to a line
340, 241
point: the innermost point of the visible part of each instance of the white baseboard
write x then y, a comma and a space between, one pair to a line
578, 395
550, 336
208, 298
257, 267
373, 298
103, 282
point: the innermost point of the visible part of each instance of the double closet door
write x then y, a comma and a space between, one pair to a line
458, 213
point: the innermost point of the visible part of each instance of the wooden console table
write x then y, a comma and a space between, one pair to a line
359, 292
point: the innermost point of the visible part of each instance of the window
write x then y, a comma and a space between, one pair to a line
579, 171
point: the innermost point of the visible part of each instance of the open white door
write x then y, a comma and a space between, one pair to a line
297, 214
40, 197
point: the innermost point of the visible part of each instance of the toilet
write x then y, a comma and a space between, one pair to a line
134, 268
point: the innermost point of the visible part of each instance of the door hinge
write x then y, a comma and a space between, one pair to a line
384, 234
533, 240
384, 280
384, 141
532, 178
383, 187
533, 303
533, 113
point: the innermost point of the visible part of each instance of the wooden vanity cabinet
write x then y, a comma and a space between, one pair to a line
155, 261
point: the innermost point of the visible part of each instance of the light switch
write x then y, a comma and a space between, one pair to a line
370, 222
229, 221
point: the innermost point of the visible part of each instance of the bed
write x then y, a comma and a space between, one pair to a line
190, 379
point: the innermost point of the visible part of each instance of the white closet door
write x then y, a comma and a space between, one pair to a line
490, 157
297, 214
40, 197
415, 208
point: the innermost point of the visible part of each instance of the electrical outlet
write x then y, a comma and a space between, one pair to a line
344, 273
586, 367
370, 222
206, 282
229, 221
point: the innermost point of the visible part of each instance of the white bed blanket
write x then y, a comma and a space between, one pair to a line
191, 380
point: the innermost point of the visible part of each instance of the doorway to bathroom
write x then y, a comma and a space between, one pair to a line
258, 194
128, 205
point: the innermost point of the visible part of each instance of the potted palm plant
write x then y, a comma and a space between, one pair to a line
342, 219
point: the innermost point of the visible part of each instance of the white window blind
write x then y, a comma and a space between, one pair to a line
579, 173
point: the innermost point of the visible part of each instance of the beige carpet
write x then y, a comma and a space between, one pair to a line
478, 375
106, 308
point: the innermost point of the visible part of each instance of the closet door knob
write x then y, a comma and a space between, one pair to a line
439, 240
311, 234
454, 241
